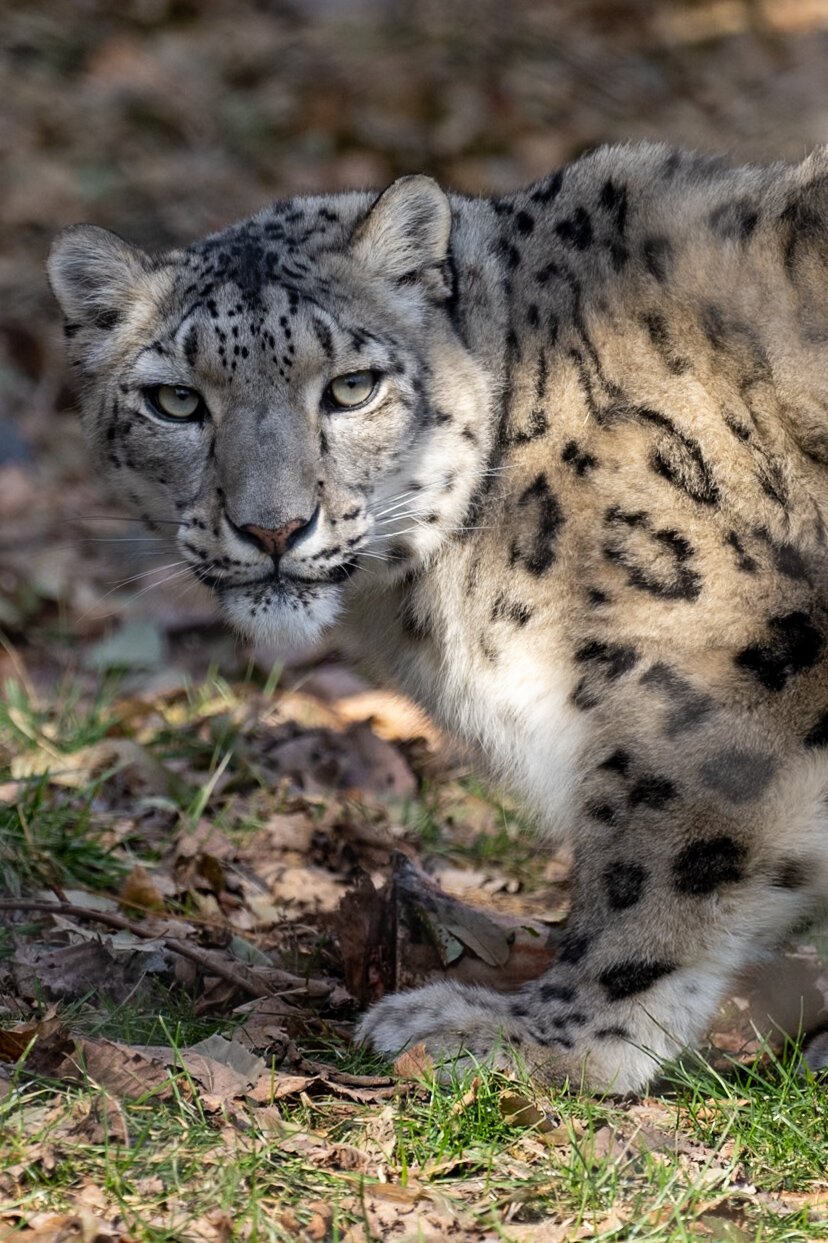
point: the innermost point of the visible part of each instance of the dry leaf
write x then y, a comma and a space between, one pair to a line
356, 760
519, 1110
139, 891
123, 1071
415, 1063
276, 1087
138, 769
391, 716
104, 1122
83, 1227
48, 1031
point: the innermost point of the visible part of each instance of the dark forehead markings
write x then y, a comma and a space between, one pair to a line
240, 256
253, 256
191, 345
324, 337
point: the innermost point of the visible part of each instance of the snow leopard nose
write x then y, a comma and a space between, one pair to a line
277, 542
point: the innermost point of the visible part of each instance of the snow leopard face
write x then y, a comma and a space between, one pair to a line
290, 393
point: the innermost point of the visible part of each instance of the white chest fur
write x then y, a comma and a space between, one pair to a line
505, 690
517, 711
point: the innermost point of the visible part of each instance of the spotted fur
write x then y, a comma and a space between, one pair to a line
582, 521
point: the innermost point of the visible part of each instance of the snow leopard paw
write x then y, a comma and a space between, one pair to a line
460, 1026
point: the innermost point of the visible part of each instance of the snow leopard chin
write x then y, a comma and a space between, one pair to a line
281, 618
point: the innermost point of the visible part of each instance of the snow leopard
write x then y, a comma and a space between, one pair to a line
555, 463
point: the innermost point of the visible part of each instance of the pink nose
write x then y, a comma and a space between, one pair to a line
274, 542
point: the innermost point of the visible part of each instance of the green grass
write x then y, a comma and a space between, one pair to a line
778, 1114
171, 1020
48, 839
510, 840
183, 1163
69, 721
46, 834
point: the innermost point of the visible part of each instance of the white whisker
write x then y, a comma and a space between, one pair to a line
119, 539
169, 579
377, 556
407, 531
404, 517
151, 569
157, 522
398, 503
178, 574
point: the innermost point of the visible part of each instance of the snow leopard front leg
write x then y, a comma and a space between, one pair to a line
681, 872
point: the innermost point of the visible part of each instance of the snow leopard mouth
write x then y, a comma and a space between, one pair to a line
276, 578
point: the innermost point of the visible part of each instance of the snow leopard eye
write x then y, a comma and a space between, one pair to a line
174, 401
352, 389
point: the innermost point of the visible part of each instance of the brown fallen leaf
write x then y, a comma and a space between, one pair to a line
127, 1073
139, 891
356, 760
544, 1232
368, 1089
138, 770
391, 716
389, 1211
283, 831
48, 1031
366, 936
82, 1227
415, 1063
222, 1068
806, 1199
518, 1110
317, 1227
103, 1122
344, 1076
69, 972
263, 1029
276, 1087
308, 711
383, 947
307, 888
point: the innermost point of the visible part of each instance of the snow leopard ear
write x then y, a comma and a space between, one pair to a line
405, 236
94, 275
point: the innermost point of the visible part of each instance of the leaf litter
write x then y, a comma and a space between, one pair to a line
210, 908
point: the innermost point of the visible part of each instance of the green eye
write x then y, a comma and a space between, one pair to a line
175, 401
352, 389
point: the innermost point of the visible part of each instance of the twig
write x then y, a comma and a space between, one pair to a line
202, 958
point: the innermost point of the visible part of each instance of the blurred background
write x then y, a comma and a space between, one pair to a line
164, 119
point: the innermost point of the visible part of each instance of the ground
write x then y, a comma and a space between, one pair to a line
210, 857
